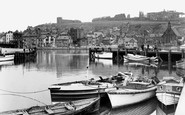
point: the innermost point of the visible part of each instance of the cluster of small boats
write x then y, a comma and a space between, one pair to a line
122, 89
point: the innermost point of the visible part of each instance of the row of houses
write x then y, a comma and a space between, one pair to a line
75, 36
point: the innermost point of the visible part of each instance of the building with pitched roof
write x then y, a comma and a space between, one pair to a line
172, 36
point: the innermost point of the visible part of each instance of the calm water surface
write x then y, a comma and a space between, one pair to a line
23, 85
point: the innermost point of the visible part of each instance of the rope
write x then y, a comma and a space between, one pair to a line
25, 97
24, 92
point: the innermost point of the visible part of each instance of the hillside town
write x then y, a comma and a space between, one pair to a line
127, 34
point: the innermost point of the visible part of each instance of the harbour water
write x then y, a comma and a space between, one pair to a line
25, 84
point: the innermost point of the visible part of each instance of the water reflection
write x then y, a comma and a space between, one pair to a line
180, 72
144, 108
165, 110
51, 66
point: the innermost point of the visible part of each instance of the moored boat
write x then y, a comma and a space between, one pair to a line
140, 58
82, 107
103, 55
134, 89
137, 58
6, 58
169, 90
133, 93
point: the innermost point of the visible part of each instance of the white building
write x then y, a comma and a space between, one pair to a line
9, 37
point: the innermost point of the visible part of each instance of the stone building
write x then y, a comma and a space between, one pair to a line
169, 37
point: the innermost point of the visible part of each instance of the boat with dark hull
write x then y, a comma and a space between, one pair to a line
77, 90
85, 89
79, 107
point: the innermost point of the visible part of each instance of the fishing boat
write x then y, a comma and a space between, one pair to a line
131, 92
6, 58
76, 90
84, 89
80, 107
103, 55
180, 64
169, 90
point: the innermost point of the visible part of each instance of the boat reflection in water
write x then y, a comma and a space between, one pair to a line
180, 72
104, 62
6, 63
161, 109
144, 108
140, 64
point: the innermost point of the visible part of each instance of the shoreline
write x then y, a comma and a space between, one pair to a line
62, 48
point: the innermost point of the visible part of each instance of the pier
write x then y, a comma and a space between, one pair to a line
117, 54
20, 53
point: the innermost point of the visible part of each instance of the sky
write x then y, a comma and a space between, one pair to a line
19, 14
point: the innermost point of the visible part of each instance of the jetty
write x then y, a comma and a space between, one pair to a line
20, 53
118, 53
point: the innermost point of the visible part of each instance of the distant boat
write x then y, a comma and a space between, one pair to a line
180, 64
139, 58
169, 90
131, 93
6, 58
80, 107
103, 55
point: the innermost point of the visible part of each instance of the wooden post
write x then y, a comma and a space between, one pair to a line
126, 52
183, 53
118, 56
156, 53
144, 52
90, 54
169, 59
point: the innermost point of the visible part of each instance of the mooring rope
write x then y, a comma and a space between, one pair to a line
25, 97
24, 92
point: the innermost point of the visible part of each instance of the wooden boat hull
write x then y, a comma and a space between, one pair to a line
136, 58
168, 99
6, 58
75, 91
168, 91
82, 107
125, 97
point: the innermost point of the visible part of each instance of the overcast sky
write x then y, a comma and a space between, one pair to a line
18, 14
